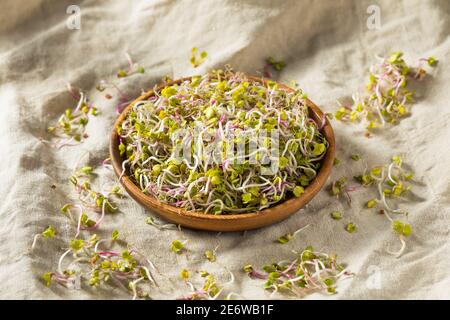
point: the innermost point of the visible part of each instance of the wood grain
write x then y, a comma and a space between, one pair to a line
226, 222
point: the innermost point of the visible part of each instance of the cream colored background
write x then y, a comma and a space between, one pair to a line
328, 49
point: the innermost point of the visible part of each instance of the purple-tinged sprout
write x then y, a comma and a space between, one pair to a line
222, 103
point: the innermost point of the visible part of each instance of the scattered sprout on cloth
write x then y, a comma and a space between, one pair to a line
162, 226
210, 290
90, 200
50, 232
275, 65
336, 162
210, 255
310, 271
351, 228
339, 187
70, 130
391, 181
195, 60
225, 107
336, 215
123, 99
289, 236
177, 246
132, 68
184, 274
95, 265
388, 96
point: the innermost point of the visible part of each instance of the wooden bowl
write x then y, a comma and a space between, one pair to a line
226, 222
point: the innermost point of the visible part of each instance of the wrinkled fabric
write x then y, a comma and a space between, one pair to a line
328, 48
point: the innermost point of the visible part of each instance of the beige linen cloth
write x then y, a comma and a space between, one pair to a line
328, 48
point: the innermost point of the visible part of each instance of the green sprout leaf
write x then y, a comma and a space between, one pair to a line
184, 274
47, 278
115, 235
49, 232
76, 244
371, 203
285, 239
336, 215
210, 255
432, 61
298, 191
121, 73
246, 197
248, 268
351, 227
177, 246
319, 148
401, 228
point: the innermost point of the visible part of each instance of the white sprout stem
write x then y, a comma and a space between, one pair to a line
60, 269
398, 253
36, 237
300, 230
133, 287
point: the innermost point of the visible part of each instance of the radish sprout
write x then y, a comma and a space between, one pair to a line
71, 127
101, 267
178, 246
336, 215
351, 227
391, 182
388, 98
217, 112
289, 236
309, 272
47, 233
195, 60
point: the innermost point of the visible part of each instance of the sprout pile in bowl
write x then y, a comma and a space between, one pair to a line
222, 143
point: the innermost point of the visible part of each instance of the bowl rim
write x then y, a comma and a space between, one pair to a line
248, 220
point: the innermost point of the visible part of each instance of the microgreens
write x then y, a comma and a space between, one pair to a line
221, 103
166, 226
177, 246
337, 187
371, 203
197, 60
289, 236
391, 182
50, 232
351, 227
387, 98
210, 290
336, 215
276, 65
309, 272
132, 68
91, 200
184, 274
211, 254
70, 129
123, 99
101, 267
336, 162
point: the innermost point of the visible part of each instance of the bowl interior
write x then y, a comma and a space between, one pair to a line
226, 222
